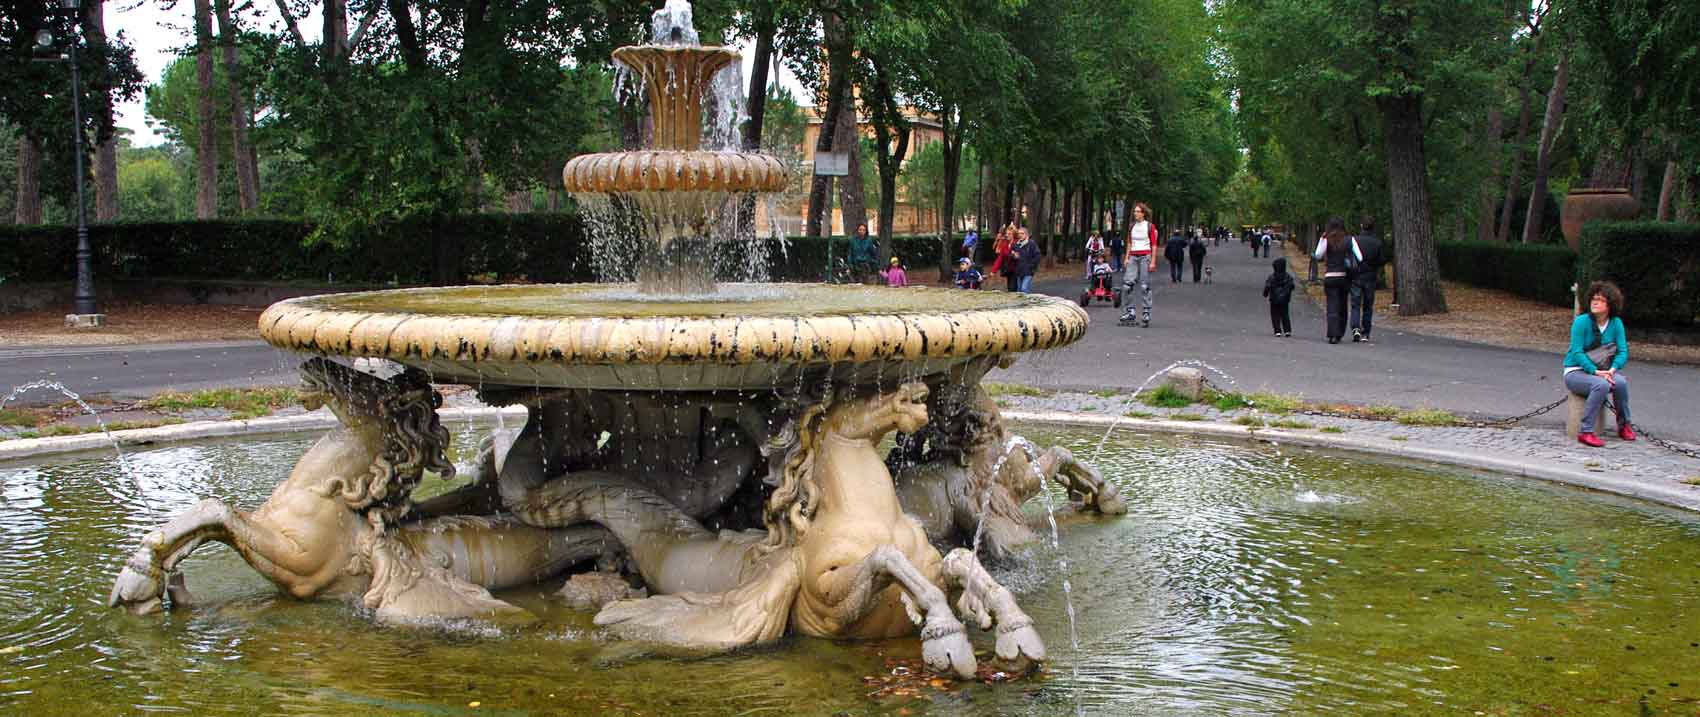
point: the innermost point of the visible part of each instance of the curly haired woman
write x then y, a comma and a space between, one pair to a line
1598, 351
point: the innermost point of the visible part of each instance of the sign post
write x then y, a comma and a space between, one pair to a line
831, 164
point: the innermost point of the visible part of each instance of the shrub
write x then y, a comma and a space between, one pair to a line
1165, 396
1542, 272
1657, 264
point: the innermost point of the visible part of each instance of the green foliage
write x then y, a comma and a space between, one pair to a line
1289, 423
1542, 272
241, 402
1250, 421
1657, 265
1185, 417
21, 417
153, 185
1332, 429
1275, 402
1014, 389
1427, 417
1230, 401
1165, 396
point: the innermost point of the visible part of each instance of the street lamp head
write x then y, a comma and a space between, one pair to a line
43, 39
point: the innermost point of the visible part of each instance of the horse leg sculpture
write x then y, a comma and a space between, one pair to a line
854, 592
984, 600
142, 581
1081, 481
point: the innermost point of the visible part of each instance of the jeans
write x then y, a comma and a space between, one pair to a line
1595, 388
1024, 283
1362, 303
1280, 317
1197, 270
1337, 289
1175, 269
1138, 274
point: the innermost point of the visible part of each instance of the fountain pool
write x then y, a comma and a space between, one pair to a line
1241, 581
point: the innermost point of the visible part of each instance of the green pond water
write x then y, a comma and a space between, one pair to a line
1244, 580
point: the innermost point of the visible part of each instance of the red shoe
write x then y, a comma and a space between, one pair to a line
1626, 432
1590, 440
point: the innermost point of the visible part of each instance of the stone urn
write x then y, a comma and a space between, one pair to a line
1584, 205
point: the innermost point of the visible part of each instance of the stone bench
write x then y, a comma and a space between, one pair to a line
1577, 405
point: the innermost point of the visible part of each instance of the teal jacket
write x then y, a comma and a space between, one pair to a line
1585, 337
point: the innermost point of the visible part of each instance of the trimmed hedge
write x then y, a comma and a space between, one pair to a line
1542, 272
422, 250
1657, 264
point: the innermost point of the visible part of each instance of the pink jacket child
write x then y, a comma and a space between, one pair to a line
895, 276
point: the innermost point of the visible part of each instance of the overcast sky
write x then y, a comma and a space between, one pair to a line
157, 33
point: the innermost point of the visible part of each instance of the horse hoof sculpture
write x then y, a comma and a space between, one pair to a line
702, 470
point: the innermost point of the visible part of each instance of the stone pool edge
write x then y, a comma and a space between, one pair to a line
1672, 494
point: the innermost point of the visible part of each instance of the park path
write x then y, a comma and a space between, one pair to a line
1226, 324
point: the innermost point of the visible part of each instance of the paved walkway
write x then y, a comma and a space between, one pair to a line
1226, 324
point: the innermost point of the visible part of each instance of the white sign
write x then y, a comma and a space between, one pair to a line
832, 164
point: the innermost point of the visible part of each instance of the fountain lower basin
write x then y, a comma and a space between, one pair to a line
612, 336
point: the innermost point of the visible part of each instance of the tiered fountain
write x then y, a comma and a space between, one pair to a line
710, 444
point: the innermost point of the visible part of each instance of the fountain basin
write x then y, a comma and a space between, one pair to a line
673, 171
611, 336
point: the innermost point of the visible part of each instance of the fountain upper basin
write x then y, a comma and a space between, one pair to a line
744, 336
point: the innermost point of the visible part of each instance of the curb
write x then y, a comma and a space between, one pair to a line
1663, 493
322, 419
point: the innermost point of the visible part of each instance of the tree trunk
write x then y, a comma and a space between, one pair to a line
334, 31
519, 201
1419, 289
1690, 194
28, 209
1068, 219
106, 143
1008, 199
1666, 190
1514, 181
889, 126
837, 94
1551, 124
1485, 225
757, 104
206, 145
852, 195
247, 177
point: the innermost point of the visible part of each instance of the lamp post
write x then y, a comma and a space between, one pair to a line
86, 312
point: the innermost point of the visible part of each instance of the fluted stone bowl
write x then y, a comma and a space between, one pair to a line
610, 336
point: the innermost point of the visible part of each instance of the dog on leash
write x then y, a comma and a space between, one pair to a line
1207, 273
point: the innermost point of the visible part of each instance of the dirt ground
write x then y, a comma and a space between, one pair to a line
133, 324
1498, 318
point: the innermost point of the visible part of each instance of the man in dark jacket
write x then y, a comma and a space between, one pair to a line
1026, 255
1195, 252
1175, 251
1362, 298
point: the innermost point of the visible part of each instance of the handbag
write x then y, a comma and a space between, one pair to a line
1603, 354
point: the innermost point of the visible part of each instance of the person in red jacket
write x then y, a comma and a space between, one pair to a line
1141, 260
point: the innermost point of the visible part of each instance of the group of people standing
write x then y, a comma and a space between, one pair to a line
1017, 257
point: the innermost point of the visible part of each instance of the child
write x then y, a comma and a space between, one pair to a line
967, 275
894, 276
1101, 265
1279, 288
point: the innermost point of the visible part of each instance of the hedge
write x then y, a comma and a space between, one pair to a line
423, 250
1657, 264
1542, 272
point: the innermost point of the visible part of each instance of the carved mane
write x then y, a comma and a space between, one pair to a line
790, 509
414, 441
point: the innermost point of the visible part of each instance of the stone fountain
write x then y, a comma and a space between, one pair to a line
700, 458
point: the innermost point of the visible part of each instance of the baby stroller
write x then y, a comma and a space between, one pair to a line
1100, 284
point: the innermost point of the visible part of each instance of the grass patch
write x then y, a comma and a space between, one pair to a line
1015, 389
1001, 402
1332, 429
1105, 393
240, 402
1089, 407
1165, 396
1185, 417
1139, 414
1251, 421
1381, 413
1692, 480
1230, 402
1398, 438
1427, 417
23, 418
1275, 402
1289, 423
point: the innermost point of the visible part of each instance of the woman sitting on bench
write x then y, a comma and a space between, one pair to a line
1598, 351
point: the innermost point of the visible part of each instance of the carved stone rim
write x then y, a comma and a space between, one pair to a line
1026, 323
673, 171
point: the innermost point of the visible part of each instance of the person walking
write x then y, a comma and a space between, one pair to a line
1362, 296
1341, 258
1175, 252
1118, 247
1195, 251
1003, 265
1140, 260
1094, 246
1025, 254
1279, 288
970, 242
1592, 366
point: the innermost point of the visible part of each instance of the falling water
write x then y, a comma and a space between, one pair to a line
1121, 414
118, 452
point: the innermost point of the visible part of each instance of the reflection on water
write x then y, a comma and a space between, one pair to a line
1235, 585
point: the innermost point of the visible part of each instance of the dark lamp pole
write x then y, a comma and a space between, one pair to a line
83, 301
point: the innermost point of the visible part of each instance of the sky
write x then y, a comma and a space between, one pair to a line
156, 33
